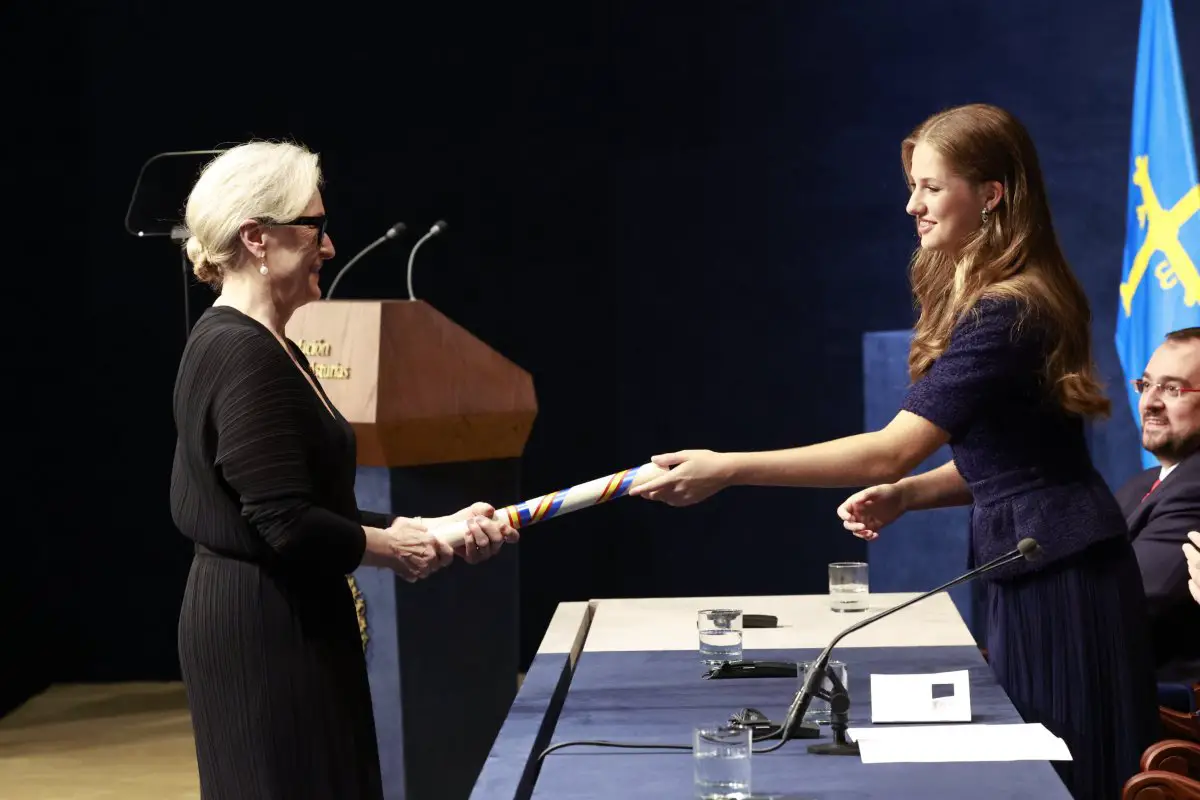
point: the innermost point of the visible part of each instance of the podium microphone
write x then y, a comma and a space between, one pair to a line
392, 233
437, 228
839, 699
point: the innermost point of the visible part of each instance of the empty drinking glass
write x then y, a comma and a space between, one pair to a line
721, 762
720, 635
818, 710
848, 588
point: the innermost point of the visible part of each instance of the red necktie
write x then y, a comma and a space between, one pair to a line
1153, 486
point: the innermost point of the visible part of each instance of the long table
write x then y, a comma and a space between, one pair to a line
627, 670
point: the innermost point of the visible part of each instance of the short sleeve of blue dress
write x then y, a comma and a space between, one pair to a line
990, 350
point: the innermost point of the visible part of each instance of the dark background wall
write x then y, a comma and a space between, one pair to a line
680, 217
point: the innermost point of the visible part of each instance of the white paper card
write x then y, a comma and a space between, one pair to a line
910, 698
945, 743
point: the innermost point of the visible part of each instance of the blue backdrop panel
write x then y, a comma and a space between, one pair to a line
442, 653
922, 549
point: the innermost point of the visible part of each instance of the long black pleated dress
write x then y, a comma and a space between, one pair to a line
271, 656
1068, 635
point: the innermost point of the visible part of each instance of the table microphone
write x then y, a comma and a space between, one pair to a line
437, 228
1027, 549
392, 233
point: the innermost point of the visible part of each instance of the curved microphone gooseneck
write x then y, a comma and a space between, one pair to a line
392, 233
437, 228
1026, 549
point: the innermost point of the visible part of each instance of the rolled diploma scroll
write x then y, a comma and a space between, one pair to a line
555, 504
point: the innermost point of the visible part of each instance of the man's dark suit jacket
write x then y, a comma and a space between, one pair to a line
1158, 527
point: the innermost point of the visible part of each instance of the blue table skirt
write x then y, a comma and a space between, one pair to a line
660, 696
511, 769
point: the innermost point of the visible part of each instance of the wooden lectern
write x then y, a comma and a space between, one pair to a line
441, 420
418, 388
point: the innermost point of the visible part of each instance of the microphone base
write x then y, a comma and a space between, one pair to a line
834, 749
839, 722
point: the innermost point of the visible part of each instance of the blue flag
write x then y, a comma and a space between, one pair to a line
1160, 281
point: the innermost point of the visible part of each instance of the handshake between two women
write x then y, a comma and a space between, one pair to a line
408, 548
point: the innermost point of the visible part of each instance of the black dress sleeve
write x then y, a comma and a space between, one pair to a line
988, 351
259, 415
373, 519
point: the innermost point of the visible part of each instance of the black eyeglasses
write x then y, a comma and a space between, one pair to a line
307, 222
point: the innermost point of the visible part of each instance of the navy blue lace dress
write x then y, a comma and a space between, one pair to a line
1067, 636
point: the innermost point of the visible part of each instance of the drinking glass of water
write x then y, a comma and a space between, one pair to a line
848, 587
818, 710
720, 635
721, 762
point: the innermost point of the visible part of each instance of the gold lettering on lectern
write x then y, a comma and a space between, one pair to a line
335, 372
320, 347
314, 348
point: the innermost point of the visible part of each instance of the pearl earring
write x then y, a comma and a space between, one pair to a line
263, 268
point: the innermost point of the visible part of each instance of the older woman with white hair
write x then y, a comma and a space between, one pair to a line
263, 483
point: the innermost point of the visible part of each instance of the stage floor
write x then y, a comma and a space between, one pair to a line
131, 741
119, 741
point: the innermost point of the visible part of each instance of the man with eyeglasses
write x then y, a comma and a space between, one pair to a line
1162, 504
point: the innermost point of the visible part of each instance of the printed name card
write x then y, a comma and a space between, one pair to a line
937, 697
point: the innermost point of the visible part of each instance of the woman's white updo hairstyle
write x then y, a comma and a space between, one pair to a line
267, 180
